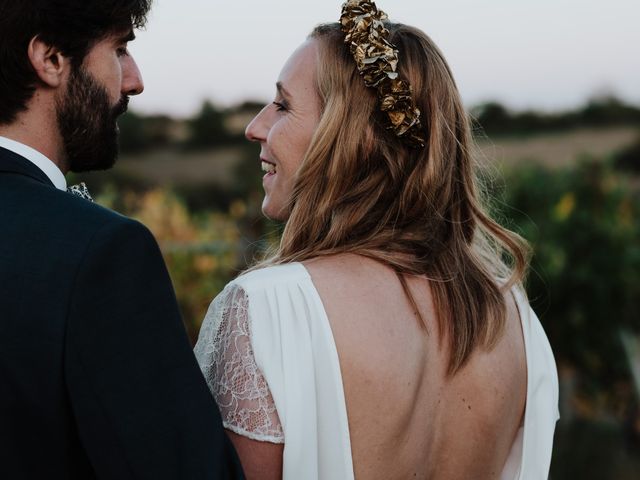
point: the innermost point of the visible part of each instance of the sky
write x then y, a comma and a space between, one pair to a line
542, 54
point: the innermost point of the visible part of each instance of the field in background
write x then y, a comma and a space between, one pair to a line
217, 166
214, 167
556, 149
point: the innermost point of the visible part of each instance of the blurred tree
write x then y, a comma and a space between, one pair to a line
139, 132
133, 137
608, 110
495, 119
207, 128
492, 117
163, 130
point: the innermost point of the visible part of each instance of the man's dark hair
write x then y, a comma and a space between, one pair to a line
73, 26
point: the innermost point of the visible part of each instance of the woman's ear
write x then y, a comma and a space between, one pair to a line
48, 62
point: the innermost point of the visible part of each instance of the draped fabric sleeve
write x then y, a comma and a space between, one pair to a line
225, 353
267, 351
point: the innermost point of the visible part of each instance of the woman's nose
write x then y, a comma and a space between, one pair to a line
258, 128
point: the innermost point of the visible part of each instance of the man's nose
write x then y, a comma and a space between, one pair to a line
132, 83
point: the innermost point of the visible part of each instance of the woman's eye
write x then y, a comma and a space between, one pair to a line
280, 107
122, 51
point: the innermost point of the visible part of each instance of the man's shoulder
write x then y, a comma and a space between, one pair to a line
90, 213
61, 214
103, 224
81, 211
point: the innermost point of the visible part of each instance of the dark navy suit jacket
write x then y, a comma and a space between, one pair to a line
97, 377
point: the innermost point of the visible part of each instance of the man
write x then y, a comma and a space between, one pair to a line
97, 378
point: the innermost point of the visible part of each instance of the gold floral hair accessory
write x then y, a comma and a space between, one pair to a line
377, 62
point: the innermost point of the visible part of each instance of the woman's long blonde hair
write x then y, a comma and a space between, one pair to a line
362, 190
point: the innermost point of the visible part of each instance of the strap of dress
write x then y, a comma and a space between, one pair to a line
225, 354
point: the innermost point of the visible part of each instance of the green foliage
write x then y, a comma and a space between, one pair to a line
591, 451
584, 226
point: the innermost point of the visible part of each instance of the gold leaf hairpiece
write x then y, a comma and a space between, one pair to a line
377, 62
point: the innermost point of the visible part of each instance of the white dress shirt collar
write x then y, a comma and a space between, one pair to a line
49, 168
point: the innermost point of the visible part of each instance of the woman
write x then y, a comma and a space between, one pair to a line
386, 337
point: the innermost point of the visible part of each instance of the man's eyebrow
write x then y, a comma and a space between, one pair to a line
283, 91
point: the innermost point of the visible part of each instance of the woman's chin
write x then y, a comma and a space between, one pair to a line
272, 212
267, 209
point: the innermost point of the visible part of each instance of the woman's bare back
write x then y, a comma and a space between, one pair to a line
407, 419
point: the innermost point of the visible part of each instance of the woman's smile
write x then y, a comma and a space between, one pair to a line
268, 167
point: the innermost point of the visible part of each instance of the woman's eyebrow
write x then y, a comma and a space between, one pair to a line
283, 91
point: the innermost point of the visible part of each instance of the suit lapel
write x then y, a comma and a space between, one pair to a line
11, 162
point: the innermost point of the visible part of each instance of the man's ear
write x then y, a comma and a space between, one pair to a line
48, 62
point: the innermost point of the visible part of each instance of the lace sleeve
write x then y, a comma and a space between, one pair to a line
225, 355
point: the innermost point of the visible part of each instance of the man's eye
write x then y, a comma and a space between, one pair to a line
122, 51
280, 107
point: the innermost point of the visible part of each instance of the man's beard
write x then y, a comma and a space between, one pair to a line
87, 123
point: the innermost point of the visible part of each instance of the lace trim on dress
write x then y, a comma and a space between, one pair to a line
226, 358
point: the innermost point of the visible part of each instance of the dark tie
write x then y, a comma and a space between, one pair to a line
81, 191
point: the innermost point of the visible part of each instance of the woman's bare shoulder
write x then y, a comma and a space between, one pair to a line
371, 317
347, 264
350, 276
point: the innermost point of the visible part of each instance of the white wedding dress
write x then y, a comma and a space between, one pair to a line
268, 355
